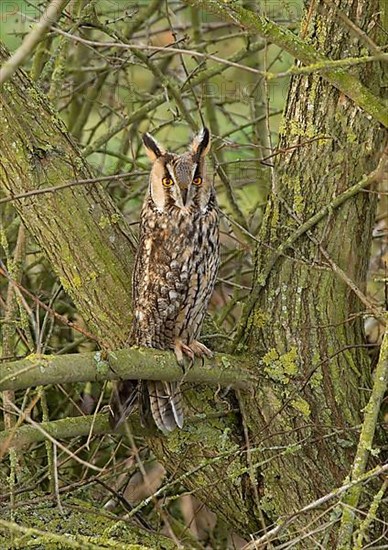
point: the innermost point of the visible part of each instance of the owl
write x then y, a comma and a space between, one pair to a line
175, 271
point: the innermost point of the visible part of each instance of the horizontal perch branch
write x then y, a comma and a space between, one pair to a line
125, 364
66, 428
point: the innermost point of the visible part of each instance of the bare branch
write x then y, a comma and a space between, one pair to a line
49, 17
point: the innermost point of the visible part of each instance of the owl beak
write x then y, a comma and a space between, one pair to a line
185, 192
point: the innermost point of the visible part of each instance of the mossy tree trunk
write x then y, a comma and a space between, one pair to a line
82, 233
299, 424
306, 324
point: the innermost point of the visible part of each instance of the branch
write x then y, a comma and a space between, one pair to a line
298, 48
55, 188
78, 541
352, 497
125, 364
50, 16
66, 428
285, 522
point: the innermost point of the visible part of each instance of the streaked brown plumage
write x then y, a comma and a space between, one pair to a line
175, 270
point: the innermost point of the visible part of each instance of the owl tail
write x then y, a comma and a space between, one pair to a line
161, 400
123, 401
165, 401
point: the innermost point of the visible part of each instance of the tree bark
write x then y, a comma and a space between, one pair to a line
306, 323
305, 327
81, 231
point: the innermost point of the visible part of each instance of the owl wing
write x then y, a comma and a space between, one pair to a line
161, 281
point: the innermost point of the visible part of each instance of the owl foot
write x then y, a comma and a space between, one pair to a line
194, 349
200, 350
181, 349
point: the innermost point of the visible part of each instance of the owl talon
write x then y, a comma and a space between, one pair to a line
179, 349
200, 350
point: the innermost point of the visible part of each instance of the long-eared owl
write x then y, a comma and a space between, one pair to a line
175, 270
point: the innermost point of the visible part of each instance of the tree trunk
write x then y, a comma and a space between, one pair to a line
81, 231
306, 325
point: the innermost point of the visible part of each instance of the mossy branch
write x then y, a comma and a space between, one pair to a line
123, 364
301, 50
66, 428
49, 17
64, 541
352, 497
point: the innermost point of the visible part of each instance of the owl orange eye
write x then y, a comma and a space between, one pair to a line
167, 182
197, 181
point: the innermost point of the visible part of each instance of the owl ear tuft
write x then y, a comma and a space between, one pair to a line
152, 147
201, 144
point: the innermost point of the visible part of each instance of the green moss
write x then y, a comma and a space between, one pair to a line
92, 276
281, 367
260, 318
235, 471
321, 31
298, 204
267, 504
275, 215
302, 406
102, 365
81, 523
296, 129
316, 379
294, 184
106, 221
33, 93
225, 362
4, 241
177, 440
65, 284
77, 281
39, 358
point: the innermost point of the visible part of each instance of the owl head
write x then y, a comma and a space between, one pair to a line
179, 181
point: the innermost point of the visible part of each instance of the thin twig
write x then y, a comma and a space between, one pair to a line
50, 16
21, 290
352, 497
56, 188
284, 522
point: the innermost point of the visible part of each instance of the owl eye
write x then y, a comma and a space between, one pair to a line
197, 180
167, 182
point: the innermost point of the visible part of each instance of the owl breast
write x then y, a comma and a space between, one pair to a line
175, 271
